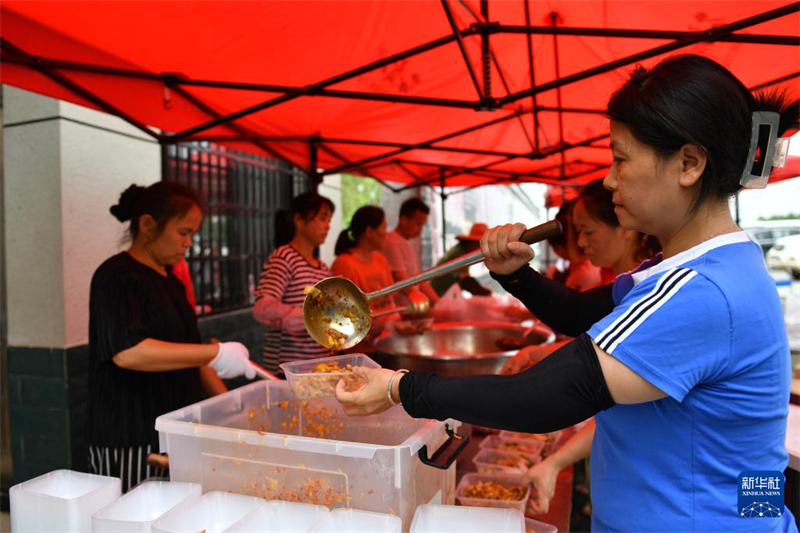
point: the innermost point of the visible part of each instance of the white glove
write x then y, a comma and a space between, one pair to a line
232, 360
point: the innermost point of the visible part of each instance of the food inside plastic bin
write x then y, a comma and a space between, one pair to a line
317, 378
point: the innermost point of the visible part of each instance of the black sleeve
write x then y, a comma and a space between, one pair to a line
562, 390
565, 310
117, 317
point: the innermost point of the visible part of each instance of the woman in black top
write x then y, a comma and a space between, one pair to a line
146, 354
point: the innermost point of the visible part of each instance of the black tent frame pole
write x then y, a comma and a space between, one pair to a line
707, 36
786, 40
458, 36
316, 179
529, 41
486, 52
311, 90
425, 144
205, 108
53, 69
77, 89
710, 35
553, 151
557, 64
443, 194
337, 155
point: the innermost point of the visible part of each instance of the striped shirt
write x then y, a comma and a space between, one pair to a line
286, 273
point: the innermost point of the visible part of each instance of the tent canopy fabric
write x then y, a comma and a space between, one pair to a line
460, 92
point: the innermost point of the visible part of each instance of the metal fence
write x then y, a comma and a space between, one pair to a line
241, 192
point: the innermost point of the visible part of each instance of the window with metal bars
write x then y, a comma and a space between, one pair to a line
241, 194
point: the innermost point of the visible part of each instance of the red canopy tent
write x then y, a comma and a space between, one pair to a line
455, 92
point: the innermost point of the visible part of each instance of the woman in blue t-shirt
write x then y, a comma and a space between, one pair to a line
685, 362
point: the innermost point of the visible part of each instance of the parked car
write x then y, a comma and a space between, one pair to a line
785, 254
768, 232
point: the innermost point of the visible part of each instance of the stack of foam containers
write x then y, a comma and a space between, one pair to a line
215, 512
453, 519
136, 511
352, 521
62, 501
278, 516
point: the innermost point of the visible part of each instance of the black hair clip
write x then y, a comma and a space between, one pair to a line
767, 151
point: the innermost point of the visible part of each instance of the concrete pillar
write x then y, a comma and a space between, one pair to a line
64, 166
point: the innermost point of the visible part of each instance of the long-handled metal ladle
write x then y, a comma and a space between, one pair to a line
337, 315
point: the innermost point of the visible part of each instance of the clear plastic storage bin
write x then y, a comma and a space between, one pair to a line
215, 512
281, 517
506, 481
453, 519
350, 521
534, 526
263, 441
307, 382
489, 461
61, 501
138, 509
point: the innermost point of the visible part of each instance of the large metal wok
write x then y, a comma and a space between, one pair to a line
457, 348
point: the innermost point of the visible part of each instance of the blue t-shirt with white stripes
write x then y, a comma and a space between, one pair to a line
706, 327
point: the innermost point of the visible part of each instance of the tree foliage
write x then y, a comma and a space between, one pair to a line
357, 192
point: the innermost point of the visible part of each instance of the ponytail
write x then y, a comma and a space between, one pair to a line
777, 101
345, 242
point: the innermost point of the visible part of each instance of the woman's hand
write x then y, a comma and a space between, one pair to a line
504, 252
543, 477
372, 397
